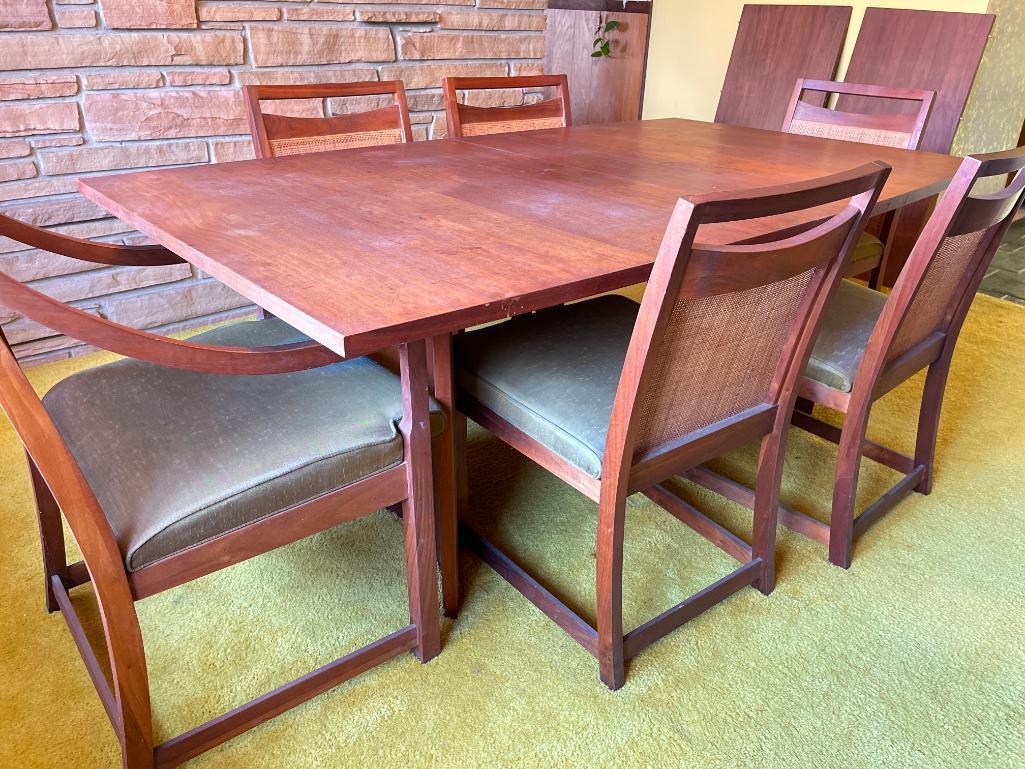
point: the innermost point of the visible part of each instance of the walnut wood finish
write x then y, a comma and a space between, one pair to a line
152, 348
895, 129
466, 120
934, 50
60, 487
918, 329
906, 126
517, 221
775, 45
275, 135
517, 224
86, 250
652, 435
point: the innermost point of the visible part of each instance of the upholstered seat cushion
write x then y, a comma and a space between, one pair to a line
176, 458
846, 326
552, 374
867, 252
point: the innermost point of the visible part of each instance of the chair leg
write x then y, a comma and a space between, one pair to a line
929, 421
766, 508
51, 535
611, 513
137, 747
845, 485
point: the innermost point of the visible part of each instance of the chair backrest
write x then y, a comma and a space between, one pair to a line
467, 120
902, 130
936, 287
278, 135
723, 330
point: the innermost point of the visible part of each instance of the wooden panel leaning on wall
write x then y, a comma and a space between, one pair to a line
709, 362
787, 42
934, 50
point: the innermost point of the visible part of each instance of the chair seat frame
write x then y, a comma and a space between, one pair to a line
61, 490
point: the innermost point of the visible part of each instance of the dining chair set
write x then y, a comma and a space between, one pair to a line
731, 343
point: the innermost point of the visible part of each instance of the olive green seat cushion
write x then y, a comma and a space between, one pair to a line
867, 247
846, 326
176, 458
552, 374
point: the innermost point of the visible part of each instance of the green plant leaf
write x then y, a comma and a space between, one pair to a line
597, 54
606, 49
597, 41
611, 25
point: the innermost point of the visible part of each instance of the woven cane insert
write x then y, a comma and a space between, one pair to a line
718, 358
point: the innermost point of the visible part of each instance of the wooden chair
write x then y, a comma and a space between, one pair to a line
277, 135
100, 454
870, 343
615, 399
894, 129
465, 120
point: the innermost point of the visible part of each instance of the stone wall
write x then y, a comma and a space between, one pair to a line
102, 86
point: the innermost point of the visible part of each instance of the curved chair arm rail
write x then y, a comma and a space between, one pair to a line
86, 250
164, 351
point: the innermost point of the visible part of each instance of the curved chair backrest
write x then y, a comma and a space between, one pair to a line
277, 135
466, 120
897, 129
934, 291
724, 332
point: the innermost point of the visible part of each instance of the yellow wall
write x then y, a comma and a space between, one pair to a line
691, 42
996, 108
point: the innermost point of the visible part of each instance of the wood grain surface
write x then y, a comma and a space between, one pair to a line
334, 244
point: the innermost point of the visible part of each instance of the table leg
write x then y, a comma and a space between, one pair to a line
886, 234
449, 460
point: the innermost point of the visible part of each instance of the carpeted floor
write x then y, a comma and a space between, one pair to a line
914, 658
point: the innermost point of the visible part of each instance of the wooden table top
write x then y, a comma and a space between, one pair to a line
365, 248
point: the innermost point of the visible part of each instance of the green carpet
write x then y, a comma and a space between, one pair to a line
914, 658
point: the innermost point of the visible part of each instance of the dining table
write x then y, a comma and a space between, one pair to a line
366, 249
